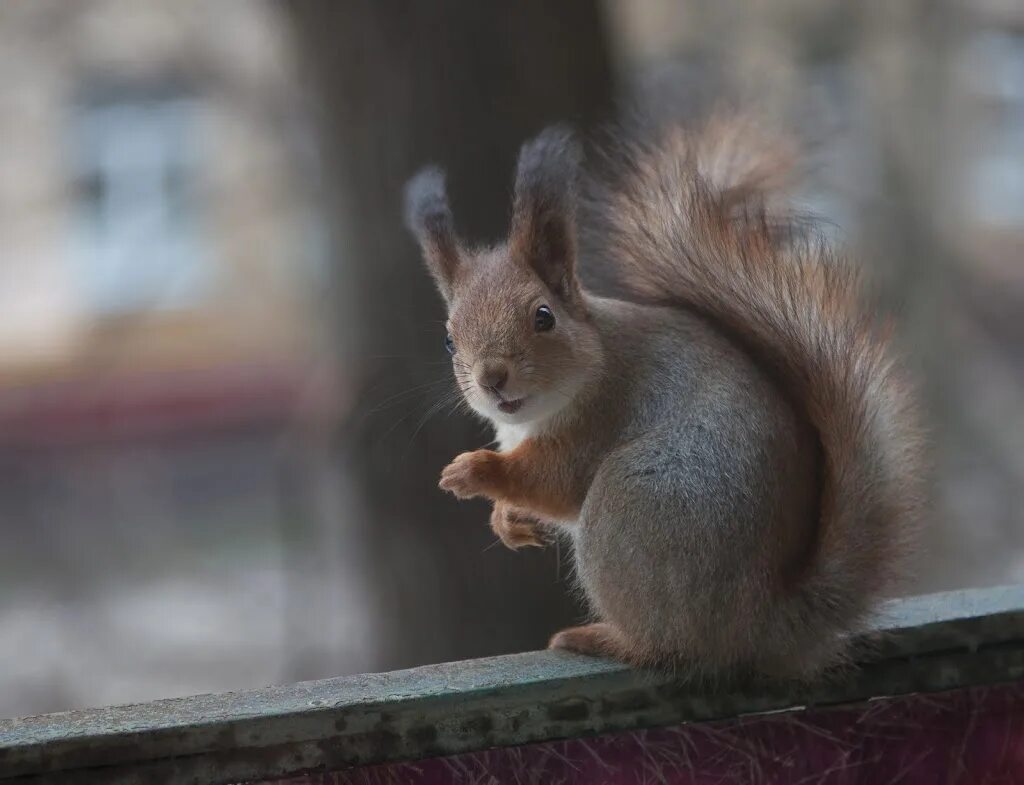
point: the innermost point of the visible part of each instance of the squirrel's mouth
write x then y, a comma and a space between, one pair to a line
510, 407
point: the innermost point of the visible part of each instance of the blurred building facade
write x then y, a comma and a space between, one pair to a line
161, 257
152, 213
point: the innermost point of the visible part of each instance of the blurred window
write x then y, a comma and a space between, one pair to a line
994, 65
137, 239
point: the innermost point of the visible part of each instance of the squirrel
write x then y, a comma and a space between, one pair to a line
731, 447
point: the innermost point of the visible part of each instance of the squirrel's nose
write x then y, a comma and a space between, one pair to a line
491, 375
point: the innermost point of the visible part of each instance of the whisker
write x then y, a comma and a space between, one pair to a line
410, 413
437, 407
492, 545
397, 397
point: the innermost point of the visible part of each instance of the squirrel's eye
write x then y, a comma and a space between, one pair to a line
449, 344
543, 320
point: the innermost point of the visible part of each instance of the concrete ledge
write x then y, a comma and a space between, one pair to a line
922, 644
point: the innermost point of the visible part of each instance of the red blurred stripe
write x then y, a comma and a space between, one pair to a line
147, 405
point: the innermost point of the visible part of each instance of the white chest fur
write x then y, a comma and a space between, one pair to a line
510, 436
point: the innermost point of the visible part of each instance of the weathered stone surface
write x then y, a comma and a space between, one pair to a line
923, 644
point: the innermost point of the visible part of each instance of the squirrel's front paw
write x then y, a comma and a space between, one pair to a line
470, 474
515, 528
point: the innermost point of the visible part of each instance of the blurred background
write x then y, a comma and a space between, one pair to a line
220, 356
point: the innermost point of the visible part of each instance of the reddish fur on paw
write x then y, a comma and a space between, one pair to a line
471, 474
526, 477
515, 528
533, 478
596, 640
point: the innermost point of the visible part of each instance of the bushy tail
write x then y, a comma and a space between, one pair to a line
697, 218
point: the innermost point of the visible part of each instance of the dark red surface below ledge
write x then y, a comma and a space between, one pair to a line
965, 736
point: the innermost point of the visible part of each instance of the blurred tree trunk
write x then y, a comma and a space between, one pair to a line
462, 84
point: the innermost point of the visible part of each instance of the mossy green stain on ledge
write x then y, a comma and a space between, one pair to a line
920, 644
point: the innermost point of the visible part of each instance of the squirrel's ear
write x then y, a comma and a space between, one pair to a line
429, 218
543, 232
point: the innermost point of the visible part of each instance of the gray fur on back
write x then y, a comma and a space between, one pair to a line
693, 505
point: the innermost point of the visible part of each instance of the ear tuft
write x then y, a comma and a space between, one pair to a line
549, 165
543, 230
426, 202
429, 218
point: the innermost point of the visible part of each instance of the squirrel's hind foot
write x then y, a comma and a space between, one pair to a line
599, 639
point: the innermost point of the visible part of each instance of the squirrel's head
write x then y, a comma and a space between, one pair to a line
520, 337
